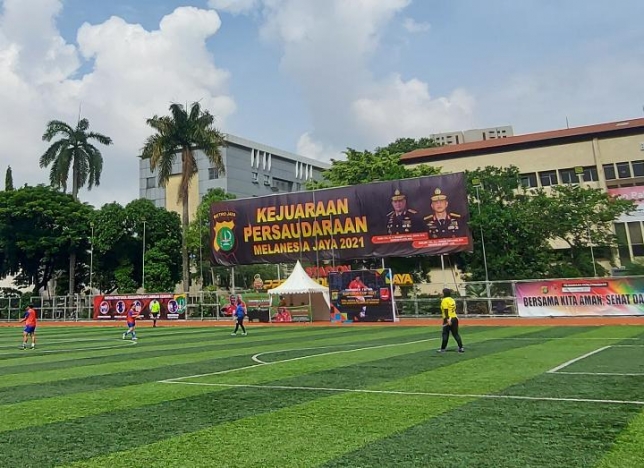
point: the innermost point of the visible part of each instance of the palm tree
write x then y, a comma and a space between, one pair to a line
74, 150
183, 133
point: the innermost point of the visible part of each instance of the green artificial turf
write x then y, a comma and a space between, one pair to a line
334, 397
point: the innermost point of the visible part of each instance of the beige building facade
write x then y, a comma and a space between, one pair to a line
611, 156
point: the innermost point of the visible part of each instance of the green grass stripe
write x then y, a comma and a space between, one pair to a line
154, 348
320, 362
132, 363
296, 436
32, 413
23, 358
509, 367
171, 418
628, 450
491, 434
314, 432
137, 376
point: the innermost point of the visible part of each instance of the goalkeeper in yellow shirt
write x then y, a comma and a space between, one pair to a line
450, 321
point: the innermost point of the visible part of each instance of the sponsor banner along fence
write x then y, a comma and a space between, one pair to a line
420, 216
115, 307
610, 296
362, 296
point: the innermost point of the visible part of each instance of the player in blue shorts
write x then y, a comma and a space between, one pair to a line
132, 315
30, 319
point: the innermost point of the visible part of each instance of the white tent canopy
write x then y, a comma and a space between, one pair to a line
299, 283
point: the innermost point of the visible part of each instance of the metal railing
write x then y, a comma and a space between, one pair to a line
471, 298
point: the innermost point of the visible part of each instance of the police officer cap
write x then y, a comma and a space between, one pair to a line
398, 196
438, 195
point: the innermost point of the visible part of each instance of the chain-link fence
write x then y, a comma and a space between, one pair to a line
57, 308
495, 298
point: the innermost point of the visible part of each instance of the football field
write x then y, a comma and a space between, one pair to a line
343, 396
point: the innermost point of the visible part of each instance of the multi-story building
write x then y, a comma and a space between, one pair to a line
609, 156
477, 134
251, 170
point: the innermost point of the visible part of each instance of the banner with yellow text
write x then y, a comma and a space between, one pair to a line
420, 216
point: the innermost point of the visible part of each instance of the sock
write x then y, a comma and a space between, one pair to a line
133, 335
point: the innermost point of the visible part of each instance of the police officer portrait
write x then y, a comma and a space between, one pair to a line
402, 219
443, 223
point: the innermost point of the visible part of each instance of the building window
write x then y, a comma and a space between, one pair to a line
609, 172
213, 173
150, 182
637, 240
624, 170
638, 168
590, 174
282, 185
267, 180
568, 176
255, 177
548, 178
622, 243
529, 180
298, 186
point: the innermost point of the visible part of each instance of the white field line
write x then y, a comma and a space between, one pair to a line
567, 338
57, 340
429, 394
600, 373
572, 361
627, 346
262, 363
29, 351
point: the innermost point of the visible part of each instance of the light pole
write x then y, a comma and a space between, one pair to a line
477, 185
143, 259
91, 259
580, 172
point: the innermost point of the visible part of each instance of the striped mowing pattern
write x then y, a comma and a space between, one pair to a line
334, 397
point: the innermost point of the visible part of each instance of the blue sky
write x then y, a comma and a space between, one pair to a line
311, 76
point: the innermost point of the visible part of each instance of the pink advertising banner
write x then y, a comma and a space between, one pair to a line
636, 194
578, 297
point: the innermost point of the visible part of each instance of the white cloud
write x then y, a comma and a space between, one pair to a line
135, 73
397, 108
545, 97
307, 146
233, 6
327, 49
413, 26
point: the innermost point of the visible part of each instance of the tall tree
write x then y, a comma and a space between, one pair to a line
182, 133
405, 145
361, 167
8, 180
118, 247
73, 150
39, 226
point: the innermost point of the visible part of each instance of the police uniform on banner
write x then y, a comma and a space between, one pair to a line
443, 225
406, 220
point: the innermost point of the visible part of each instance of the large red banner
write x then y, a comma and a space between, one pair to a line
420, 216
115, 307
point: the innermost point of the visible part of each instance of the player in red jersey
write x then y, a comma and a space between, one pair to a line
30, 319
132, 315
